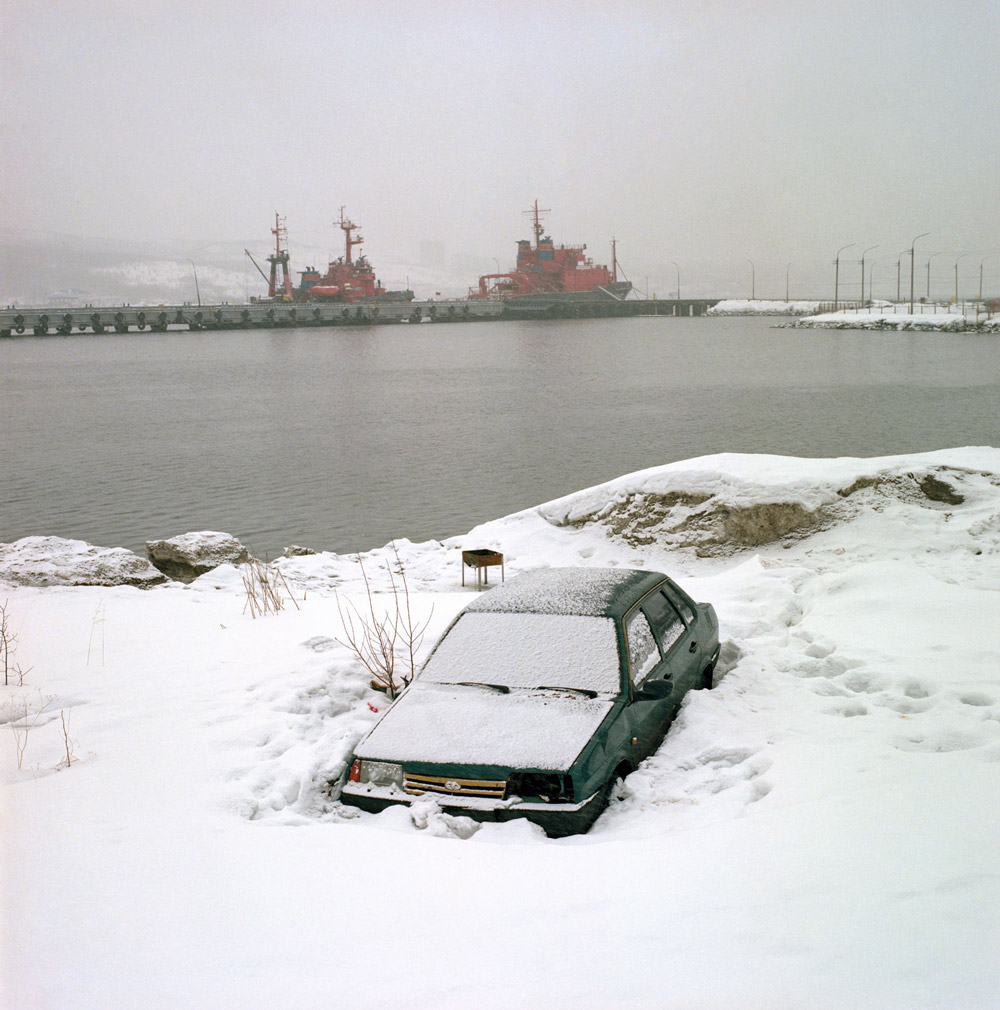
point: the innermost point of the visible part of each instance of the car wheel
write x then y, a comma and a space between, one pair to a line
707, 678
605, 795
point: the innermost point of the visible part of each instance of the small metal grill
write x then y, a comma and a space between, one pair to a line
449, 786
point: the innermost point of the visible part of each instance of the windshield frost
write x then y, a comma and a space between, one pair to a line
528, 650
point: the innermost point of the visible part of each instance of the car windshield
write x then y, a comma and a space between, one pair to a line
528, 650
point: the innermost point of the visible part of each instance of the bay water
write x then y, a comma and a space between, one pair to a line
342, 439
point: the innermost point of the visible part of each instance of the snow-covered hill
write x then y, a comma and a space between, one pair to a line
820, 830
46, 269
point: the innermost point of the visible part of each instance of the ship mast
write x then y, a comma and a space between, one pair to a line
279, 258
347, 226
614, 259
536, 214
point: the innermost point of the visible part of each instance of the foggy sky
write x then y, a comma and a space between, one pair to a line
695, 132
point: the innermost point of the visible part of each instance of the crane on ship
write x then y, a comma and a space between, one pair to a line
279, 260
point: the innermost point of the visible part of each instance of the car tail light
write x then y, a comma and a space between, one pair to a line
355, 774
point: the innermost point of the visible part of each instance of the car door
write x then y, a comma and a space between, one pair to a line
651, 687
687, 651
673, 622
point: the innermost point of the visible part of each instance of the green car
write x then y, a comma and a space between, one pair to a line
539, 695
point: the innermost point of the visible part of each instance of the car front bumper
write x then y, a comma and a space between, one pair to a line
556, 819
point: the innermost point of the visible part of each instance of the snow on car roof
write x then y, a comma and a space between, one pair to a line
593, 592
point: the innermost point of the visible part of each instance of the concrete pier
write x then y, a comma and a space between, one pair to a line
42, 320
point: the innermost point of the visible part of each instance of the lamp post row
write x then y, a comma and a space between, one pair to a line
899, 258
836, 283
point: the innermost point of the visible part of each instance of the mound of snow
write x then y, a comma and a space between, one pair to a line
725, 504
52, 561
762, 307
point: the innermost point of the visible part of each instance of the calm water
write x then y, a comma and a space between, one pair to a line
342, 439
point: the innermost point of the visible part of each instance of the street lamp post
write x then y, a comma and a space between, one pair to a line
960, 255
197, 290
898, 259
868, 250
678, 269
871, 282
753, 281
836, 276
912, 255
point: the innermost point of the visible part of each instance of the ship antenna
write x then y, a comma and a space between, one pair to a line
347, 226
536, 214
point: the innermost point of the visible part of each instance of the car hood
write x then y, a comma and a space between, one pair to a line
452, 724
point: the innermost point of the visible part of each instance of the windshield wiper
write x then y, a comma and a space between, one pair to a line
586, 692
502, 688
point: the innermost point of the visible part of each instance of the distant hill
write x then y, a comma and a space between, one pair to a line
47, 268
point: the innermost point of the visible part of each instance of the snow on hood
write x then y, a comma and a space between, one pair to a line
477, 725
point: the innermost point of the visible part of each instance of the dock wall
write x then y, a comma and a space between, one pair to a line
42, 320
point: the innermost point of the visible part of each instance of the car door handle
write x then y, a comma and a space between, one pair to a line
693, 647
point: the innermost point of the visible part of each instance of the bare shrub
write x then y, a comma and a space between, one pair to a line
97, 623
8, 650
266, 588
66, 740
380, 637
21, 717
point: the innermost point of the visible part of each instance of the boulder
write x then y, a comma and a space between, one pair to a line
53, 561
192, 554
295, 551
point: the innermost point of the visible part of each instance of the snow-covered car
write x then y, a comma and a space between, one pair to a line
539, 695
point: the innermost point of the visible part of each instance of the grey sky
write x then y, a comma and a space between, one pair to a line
695, 132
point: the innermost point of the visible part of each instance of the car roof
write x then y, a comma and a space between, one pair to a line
592, 592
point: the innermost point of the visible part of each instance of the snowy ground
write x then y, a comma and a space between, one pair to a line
896, 316
821, 830
763, 307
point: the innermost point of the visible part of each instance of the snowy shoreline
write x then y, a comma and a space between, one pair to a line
820, 829
965, 317
944, 321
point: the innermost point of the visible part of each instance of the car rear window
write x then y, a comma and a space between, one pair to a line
528, 650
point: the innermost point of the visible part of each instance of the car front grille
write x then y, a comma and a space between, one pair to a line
450, 786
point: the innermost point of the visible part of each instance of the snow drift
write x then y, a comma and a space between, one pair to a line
819, 830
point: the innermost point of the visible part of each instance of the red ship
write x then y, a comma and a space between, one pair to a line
346, 279
547, 273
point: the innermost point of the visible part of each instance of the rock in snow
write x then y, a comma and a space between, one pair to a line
192, 554
52, 561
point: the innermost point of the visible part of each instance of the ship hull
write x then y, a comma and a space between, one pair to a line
615, 291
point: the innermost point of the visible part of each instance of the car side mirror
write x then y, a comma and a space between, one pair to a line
655, 690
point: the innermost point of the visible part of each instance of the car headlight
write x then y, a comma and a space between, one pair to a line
376, 773
547, 786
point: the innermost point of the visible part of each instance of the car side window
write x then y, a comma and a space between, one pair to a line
664, 619
680, 604
643, 652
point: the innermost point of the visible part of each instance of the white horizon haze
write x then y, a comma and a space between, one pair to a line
737, 141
